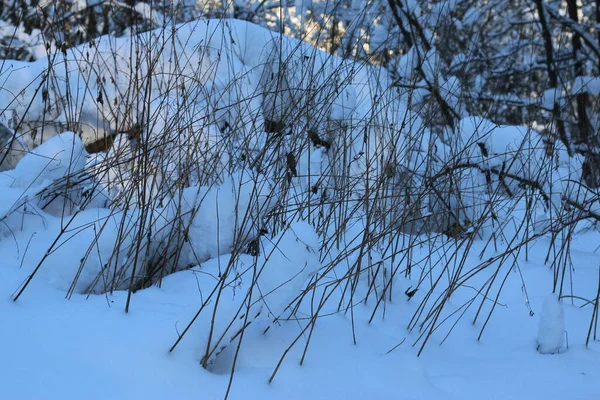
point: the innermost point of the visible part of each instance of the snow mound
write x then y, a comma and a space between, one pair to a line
220, 216
62, 155
57, 158
285, 263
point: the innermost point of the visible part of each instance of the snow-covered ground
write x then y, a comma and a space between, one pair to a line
217, 220
89, 348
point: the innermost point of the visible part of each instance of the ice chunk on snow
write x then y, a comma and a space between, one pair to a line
552, 326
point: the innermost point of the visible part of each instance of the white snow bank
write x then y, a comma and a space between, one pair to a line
494, 145
58, 157
224, 215
230, 75
257, 287
61, 156
98, 249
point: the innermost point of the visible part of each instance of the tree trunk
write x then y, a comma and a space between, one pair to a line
552, 75
591, 170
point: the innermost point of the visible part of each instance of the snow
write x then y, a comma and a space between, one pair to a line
550, 97
285, 264
265, 265
587, 84
61, 349
222, 215
34, 39
62, 155
552, 326
57, 158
